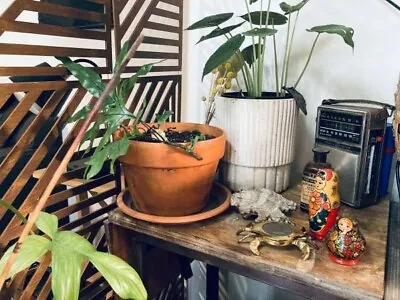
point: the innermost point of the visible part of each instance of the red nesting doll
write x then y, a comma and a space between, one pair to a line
324, 203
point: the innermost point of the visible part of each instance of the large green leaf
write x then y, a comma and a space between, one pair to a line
248, 54
218, 32
32, 250
47, 223
122, 277
88, 78
110, 151
345, 32
288, 9
211, 21
260, 32
121, 56
69, 252
274, 18
223, 53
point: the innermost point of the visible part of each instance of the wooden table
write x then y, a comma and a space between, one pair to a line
214, 242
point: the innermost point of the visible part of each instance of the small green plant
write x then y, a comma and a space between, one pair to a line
230, 59
112, 115
67, 261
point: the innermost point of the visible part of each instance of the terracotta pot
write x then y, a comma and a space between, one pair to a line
165, 181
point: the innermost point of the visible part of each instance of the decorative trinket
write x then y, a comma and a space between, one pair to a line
265, 204
324, 203
346, 243
275, 234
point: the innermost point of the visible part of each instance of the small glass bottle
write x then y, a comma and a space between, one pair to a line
309, 173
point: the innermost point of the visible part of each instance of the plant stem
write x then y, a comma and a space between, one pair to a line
259, 60
253, 82
290, 49
285, 55
63, 164
276, 65
308, 61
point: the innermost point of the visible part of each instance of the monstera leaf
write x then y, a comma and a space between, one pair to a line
345, 32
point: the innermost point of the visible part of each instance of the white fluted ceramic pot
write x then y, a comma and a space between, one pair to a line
260, 141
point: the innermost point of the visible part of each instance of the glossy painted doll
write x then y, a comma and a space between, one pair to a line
324, 203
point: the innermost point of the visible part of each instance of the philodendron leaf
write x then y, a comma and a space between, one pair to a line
110, 151
69, 251
80, 114
32, 250
223, 53
128, 84
288, 9
88, 78
248, 54
260, 32
163, 117
122, 277
299, 98
211, 21
121, 56
218, 32
345, 32
47, 223
273, 18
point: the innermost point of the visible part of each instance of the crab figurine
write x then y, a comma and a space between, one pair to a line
276, 234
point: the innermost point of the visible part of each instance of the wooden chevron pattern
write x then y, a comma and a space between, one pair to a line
36, 103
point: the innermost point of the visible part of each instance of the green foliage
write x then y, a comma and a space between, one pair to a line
258, 18
345, 32
69, 253
223, 53
262, 24
163, 117
211, 21
288, 9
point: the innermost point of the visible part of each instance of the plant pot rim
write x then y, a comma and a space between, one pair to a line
265, 96
171, 124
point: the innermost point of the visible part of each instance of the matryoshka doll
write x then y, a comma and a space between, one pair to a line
346, 243
324, 203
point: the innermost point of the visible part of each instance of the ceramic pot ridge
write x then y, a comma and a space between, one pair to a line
164, 180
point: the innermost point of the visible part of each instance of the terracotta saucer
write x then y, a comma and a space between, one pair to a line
218, 202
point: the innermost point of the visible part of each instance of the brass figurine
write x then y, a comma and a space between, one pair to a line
276, 234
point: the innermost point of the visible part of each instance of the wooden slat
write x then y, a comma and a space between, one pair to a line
131, 15
154, 55
43, 29
157, 99
63, 11
37, 276
40, 71
20, 49
178, 3
11, 13
29, 86
17, 115
161, 41
161, 27
166, 13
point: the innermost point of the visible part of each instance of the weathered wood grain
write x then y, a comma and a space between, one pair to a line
214, 241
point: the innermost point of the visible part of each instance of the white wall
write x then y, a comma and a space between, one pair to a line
334, 72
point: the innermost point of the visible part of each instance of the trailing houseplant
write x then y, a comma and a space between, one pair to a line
67, 262
166, 175
254, 106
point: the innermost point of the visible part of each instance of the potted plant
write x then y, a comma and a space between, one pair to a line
260, 124
67, 262
169, 167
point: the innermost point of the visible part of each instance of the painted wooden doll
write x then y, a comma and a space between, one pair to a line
324, 203
346, 243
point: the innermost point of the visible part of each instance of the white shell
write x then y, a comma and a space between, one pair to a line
266, 204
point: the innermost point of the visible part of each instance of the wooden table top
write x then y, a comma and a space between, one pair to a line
214, 241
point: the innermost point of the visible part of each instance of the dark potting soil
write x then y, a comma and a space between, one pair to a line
174, 136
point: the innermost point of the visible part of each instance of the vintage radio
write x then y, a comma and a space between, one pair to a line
353, 132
